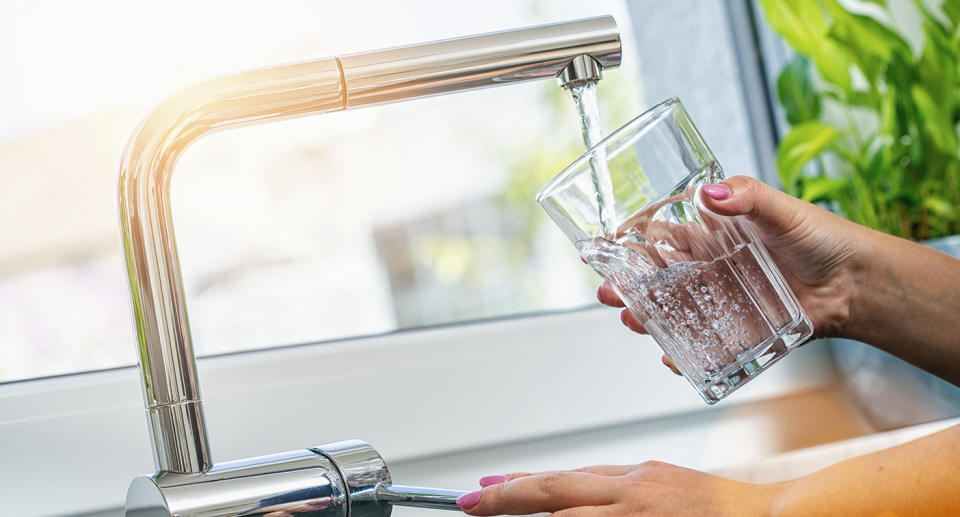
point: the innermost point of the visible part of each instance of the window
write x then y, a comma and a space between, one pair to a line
353, 223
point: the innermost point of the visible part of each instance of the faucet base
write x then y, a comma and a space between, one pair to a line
302, 482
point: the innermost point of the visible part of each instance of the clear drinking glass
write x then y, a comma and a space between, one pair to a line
703, 284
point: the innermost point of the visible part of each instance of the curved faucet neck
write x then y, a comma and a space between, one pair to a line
168, 367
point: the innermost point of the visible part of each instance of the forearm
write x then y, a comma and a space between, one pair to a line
907, 302
918, 478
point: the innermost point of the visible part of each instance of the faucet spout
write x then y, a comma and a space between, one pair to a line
572, 50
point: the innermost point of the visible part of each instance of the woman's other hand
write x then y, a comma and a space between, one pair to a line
648, 489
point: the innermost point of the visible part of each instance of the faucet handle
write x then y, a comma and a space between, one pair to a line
437, 498
370, 491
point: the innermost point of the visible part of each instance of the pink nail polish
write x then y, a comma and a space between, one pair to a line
495, 479
717, 191
468, 501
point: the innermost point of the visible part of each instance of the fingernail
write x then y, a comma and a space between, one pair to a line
717, 190
495, 479
599, 290
468, 501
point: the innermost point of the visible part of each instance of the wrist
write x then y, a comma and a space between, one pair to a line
865, 270
881, 272
803, 497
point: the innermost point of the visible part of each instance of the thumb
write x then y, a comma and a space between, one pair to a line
761, 204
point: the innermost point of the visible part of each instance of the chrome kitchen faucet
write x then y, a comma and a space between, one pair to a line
342, 479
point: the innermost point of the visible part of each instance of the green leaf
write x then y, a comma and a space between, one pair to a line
797, 95
803, 25
833, 65
853, 98
800, 23
939, 207
889, 123
802, 144
874, 162
952, 9
936, 122
822, 188
869, 42
865, 211
937, 68
901, 72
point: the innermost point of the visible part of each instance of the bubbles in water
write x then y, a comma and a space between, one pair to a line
710, 304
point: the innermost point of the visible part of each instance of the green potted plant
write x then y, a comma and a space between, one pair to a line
873, 110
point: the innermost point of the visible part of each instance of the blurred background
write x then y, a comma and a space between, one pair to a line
354, 223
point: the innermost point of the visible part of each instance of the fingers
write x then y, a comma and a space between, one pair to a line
669, 364
607, 470
744, 195
599, 470
546, 492
632, 322
608, 296
495, 479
